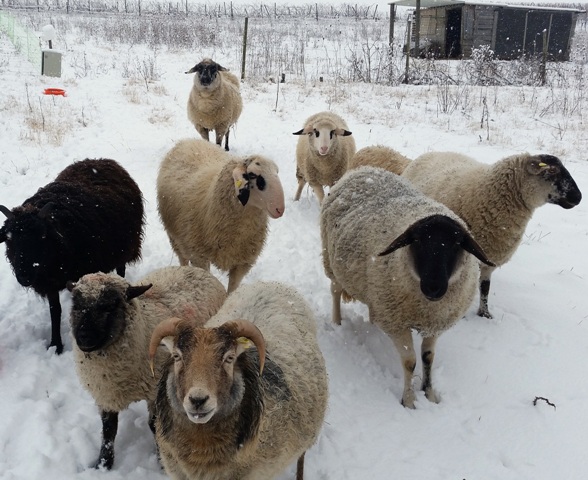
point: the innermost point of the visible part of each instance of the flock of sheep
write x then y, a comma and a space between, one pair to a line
240, 389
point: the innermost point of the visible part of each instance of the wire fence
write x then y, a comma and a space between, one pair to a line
26, 41
211, 9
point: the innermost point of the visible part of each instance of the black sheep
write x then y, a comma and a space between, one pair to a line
89, 219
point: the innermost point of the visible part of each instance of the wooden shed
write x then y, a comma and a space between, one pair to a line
453, 28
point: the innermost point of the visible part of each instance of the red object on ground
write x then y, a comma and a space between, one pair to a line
55, 91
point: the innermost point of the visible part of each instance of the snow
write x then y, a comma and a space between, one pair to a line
489, 373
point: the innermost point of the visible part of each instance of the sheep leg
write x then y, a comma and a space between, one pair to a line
405, 347
219, 138
318, 191
109, 428
300, 467
203, 132
183, 260
236, 274
336, 291
485, 274
55, 314
120, 271
427, 356
301, 183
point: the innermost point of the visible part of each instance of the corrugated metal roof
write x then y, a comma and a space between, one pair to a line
426, 3
445, 3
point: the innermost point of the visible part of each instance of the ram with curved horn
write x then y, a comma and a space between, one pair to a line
245, 395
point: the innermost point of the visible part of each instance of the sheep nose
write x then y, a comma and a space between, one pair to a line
434, 290
198, 402
324, 150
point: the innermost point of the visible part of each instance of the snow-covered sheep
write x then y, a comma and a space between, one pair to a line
226, 410
379, 156
323, 150
215, 100
89, 219
215, 206
112, 322
368, 219
496, 201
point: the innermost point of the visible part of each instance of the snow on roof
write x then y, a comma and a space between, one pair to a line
445, 3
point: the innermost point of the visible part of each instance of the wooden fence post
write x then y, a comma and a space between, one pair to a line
543, 65
244, 48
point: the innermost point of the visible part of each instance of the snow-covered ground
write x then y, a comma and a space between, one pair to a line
487, 372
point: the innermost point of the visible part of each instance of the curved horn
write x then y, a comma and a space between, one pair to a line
244, 328
6, 212
164, 329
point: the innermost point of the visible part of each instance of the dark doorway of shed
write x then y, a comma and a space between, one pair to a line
453, 33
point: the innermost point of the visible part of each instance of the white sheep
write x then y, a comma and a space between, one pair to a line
496, 201
322, 152
379, 156
215, 100
225, 410
367, 219
111, 324
215, 206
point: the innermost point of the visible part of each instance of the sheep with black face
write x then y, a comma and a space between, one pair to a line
496, 201
89, 219
112, 322
410, 259
215, 100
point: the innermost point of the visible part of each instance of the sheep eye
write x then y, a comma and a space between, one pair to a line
176, 356
260, 181
317, 133
332, 133
230, 358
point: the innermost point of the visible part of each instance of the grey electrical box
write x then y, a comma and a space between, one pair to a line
51, 63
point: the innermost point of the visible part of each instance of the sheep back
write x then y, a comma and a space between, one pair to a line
379, 156
367, 209
119, 373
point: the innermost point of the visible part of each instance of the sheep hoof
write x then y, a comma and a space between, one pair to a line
483, 312
104, 463
58, 347
408, 400
432, 396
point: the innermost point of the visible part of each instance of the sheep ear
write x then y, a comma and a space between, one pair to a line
407, 237
242, 188
221, 68
305, 131
134, 292
7, 213
542, 165
402, 241
193, 69
342, 132
2, 235
471, 246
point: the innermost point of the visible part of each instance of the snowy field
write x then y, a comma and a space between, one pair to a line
488, 372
